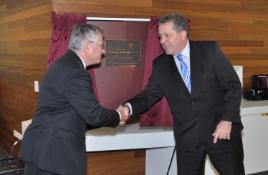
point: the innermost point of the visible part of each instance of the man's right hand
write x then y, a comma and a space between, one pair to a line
124, 111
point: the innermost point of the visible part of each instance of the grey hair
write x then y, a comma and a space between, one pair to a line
82, 33
179, 21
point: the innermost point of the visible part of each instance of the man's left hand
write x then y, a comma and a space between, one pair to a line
223, 131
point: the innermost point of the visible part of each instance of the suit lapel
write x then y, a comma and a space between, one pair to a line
176, 77
197, 67
197, 70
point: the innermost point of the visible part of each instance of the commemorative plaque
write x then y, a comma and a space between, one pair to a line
119, 52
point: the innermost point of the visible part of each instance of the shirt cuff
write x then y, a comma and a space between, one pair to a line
129, 106
120, 117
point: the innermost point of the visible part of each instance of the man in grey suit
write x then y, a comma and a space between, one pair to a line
55, 141
204, 94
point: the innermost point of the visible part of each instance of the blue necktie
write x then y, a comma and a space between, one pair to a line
185, 72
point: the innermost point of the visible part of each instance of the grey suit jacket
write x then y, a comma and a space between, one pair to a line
55, 141
216, 94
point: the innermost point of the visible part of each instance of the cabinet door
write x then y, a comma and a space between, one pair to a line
255, 141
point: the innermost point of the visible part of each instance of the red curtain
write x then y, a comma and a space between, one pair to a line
62, 27
159, 114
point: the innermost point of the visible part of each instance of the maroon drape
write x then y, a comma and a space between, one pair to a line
62, 25
159, 114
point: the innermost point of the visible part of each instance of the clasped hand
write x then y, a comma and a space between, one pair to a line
124, 112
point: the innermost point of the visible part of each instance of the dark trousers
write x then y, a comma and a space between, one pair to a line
226, 156
32, 169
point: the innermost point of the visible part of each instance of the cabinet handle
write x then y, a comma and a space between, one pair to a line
264, 114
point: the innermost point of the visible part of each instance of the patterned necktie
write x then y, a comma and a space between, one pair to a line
185, 72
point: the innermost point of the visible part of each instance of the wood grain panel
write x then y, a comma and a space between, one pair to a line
239, 43
117, 162
243, 57
103, 11
24, 37
129, 3
26, 13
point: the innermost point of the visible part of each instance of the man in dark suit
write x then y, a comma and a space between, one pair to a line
204, 94
55, 141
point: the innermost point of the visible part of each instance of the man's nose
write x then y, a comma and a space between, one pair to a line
162, 40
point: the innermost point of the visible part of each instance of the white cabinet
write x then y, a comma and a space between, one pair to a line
255, 142
255, 135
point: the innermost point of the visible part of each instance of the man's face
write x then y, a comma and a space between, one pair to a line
172, 41
97, 50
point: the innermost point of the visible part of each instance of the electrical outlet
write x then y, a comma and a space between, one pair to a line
36, 86
17, 134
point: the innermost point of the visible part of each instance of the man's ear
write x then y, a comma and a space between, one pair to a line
88, 47
184, 34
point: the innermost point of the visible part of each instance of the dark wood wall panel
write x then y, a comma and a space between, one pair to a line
116, 163
24, 38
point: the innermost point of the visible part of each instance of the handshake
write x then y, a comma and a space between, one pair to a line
124, 114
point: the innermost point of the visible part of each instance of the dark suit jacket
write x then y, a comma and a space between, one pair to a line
216, 94
55, 141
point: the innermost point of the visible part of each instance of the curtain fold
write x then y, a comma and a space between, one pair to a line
61, 31
62, 25
159, 114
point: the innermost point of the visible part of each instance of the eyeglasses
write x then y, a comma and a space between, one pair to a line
100, 45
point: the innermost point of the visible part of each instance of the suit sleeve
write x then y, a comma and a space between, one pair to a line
79, 92
149, 96
229, 84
